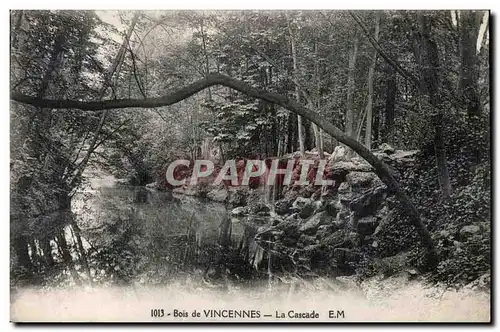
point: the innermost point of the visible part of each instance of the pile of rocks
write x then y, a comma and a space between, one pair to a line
317, 228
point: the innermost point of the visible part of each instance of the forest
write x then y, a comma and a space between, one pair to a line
397, 102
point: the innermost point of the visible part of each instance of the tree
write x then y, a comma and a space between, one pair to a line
350, 112
431, 82
297, 90
469, 24
371, 73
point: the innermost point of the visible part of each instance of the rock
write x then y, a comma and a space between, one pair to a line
344, 188
340, 221
367, 225
368, 203
289, 227
386, 148
332, 208
338, 154
306, 191
300, 202
469, 230
312, 224
334, 240
345, 194
360, 179
282, 206
307, 211
239, 211
152, 185
351, 166
290, 194
260, 209
388, 266
351, 240
325, 230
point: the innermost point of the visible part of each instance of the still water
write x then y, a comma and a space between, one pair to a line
133, 234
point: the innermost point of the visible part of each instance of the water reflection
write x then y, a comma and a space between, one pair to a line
133, 234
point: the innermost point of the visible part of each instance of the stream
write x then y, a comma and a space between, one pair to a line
148, 249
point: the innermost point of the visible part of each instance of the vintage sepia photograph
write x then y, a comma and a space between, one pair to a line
258, 166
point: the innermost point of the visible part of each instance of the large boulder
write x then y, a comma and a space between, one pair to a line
307, 210
300, 202
282, 206
239, 211
334, 240
260, 209
368, 203
345, 194
289, 227
312, 224
360, 179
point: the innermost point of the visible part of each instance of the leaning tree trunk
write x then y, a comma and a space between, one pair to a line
380, 168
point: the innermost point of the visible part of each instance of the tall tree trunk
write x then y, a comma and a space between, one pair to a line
205, 54
390, 103
350, 113
431, 75
317, 132
469, 24
371, 72
297, 91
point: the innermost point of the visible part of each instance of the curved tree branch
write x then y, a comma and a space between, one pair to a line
381, 169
